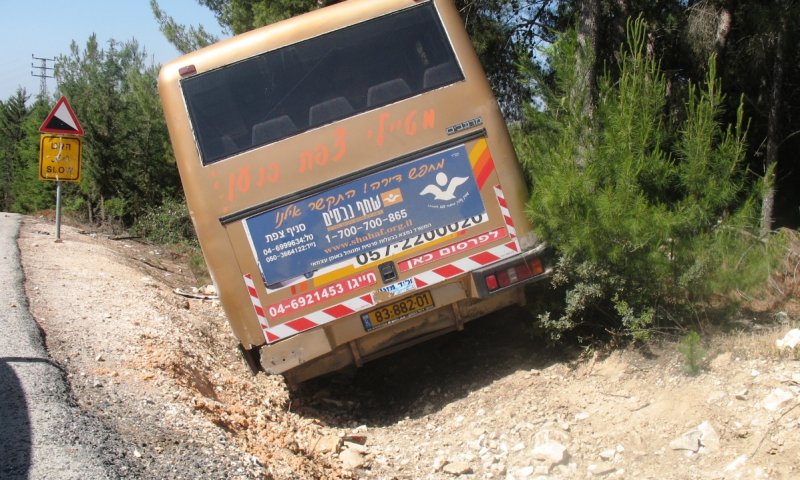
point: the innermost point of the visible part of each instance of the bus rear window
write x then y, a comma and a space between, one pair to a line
295, 88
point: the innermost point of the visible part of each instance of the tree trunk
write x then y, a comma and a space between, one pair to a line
773, 132
723, 28
584, 91
587, 49
724, 24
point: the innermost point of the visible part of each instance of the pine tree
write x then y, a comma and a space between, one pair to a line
644, 212
12, 133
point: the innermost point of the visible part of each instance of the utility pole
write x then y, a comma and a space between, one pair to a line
44, 73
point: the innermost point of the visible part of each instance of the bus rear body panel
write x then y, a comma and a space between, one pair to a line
342, 225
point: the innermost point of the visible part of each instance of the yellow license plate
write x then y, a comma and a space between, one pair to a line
407, 307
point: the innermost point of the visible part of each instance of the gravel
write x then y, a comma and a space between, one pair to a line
158, 376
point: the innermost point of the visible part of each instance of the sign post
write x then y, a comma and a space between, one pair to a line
60, 151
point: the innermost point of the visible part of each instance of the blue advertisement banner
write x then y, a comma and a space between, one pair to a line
363, 215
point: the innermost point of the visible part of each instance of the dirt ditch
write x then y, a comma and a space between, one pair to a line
489, 402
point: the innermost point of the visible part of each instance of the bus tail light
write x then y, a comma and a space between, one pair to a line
513, 272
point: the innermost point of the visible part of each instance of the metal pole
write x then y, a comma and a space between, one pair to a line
58, 211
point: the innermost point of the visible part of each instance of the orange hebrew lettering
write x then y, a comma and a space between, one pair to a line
429, 119
411, 123
276, 172
321, 155
244, 180
231, 187
340, 145
382, 128
306, 159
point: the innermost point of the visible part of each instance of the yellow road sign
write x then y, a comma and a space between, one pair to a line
60, 158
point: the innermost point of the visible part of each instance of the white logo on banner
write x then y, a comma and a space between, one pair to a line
441, 193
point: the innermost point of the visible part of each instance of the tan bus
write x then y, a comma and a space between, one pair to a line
351, 181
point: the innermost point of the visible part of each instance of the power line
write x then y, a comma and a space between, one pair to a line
43, 73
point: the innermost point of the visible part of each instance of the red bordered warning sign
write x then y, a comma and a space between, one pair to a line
62, 120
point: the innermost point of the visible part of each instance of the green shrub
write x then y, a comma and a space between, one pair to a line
115, 208
693, 353
168, 223
651, 214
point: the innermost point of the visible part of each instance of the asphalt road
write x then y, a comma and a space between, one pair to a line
43, 434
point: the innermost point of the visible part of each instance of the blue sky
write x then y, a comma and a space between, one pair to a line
45, 28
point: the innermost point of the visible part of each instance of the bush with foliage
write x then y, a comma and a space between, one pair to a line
168, 223
652, 211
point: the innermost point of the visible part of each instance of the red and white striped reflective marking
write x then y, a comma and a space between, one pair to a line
464, 265
421, 280
318, 318
501, 199
322, 294
251, 289
461, 247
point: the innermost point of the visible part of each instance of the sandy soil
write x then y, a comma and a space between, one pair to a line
490, 402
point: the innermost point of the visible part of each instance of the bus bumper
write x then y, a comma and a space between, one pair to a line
344, 343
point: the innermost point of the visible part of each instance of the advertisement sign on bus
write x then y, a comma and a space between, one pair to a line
373, 212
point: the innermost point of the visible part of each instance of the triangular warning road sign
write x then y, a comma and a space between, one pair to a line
62, 120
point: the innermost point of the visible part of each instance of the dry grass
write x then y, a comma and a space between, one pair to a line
754, 343
767, 314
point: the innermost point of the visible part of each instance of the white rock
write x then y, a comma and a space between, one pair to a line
777, 399
522, 472
689, 441
351, 459
790, 340
700, 439
608, 454
551, 452
736, 463
457, 468
599, 471
549, 446
710, 438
